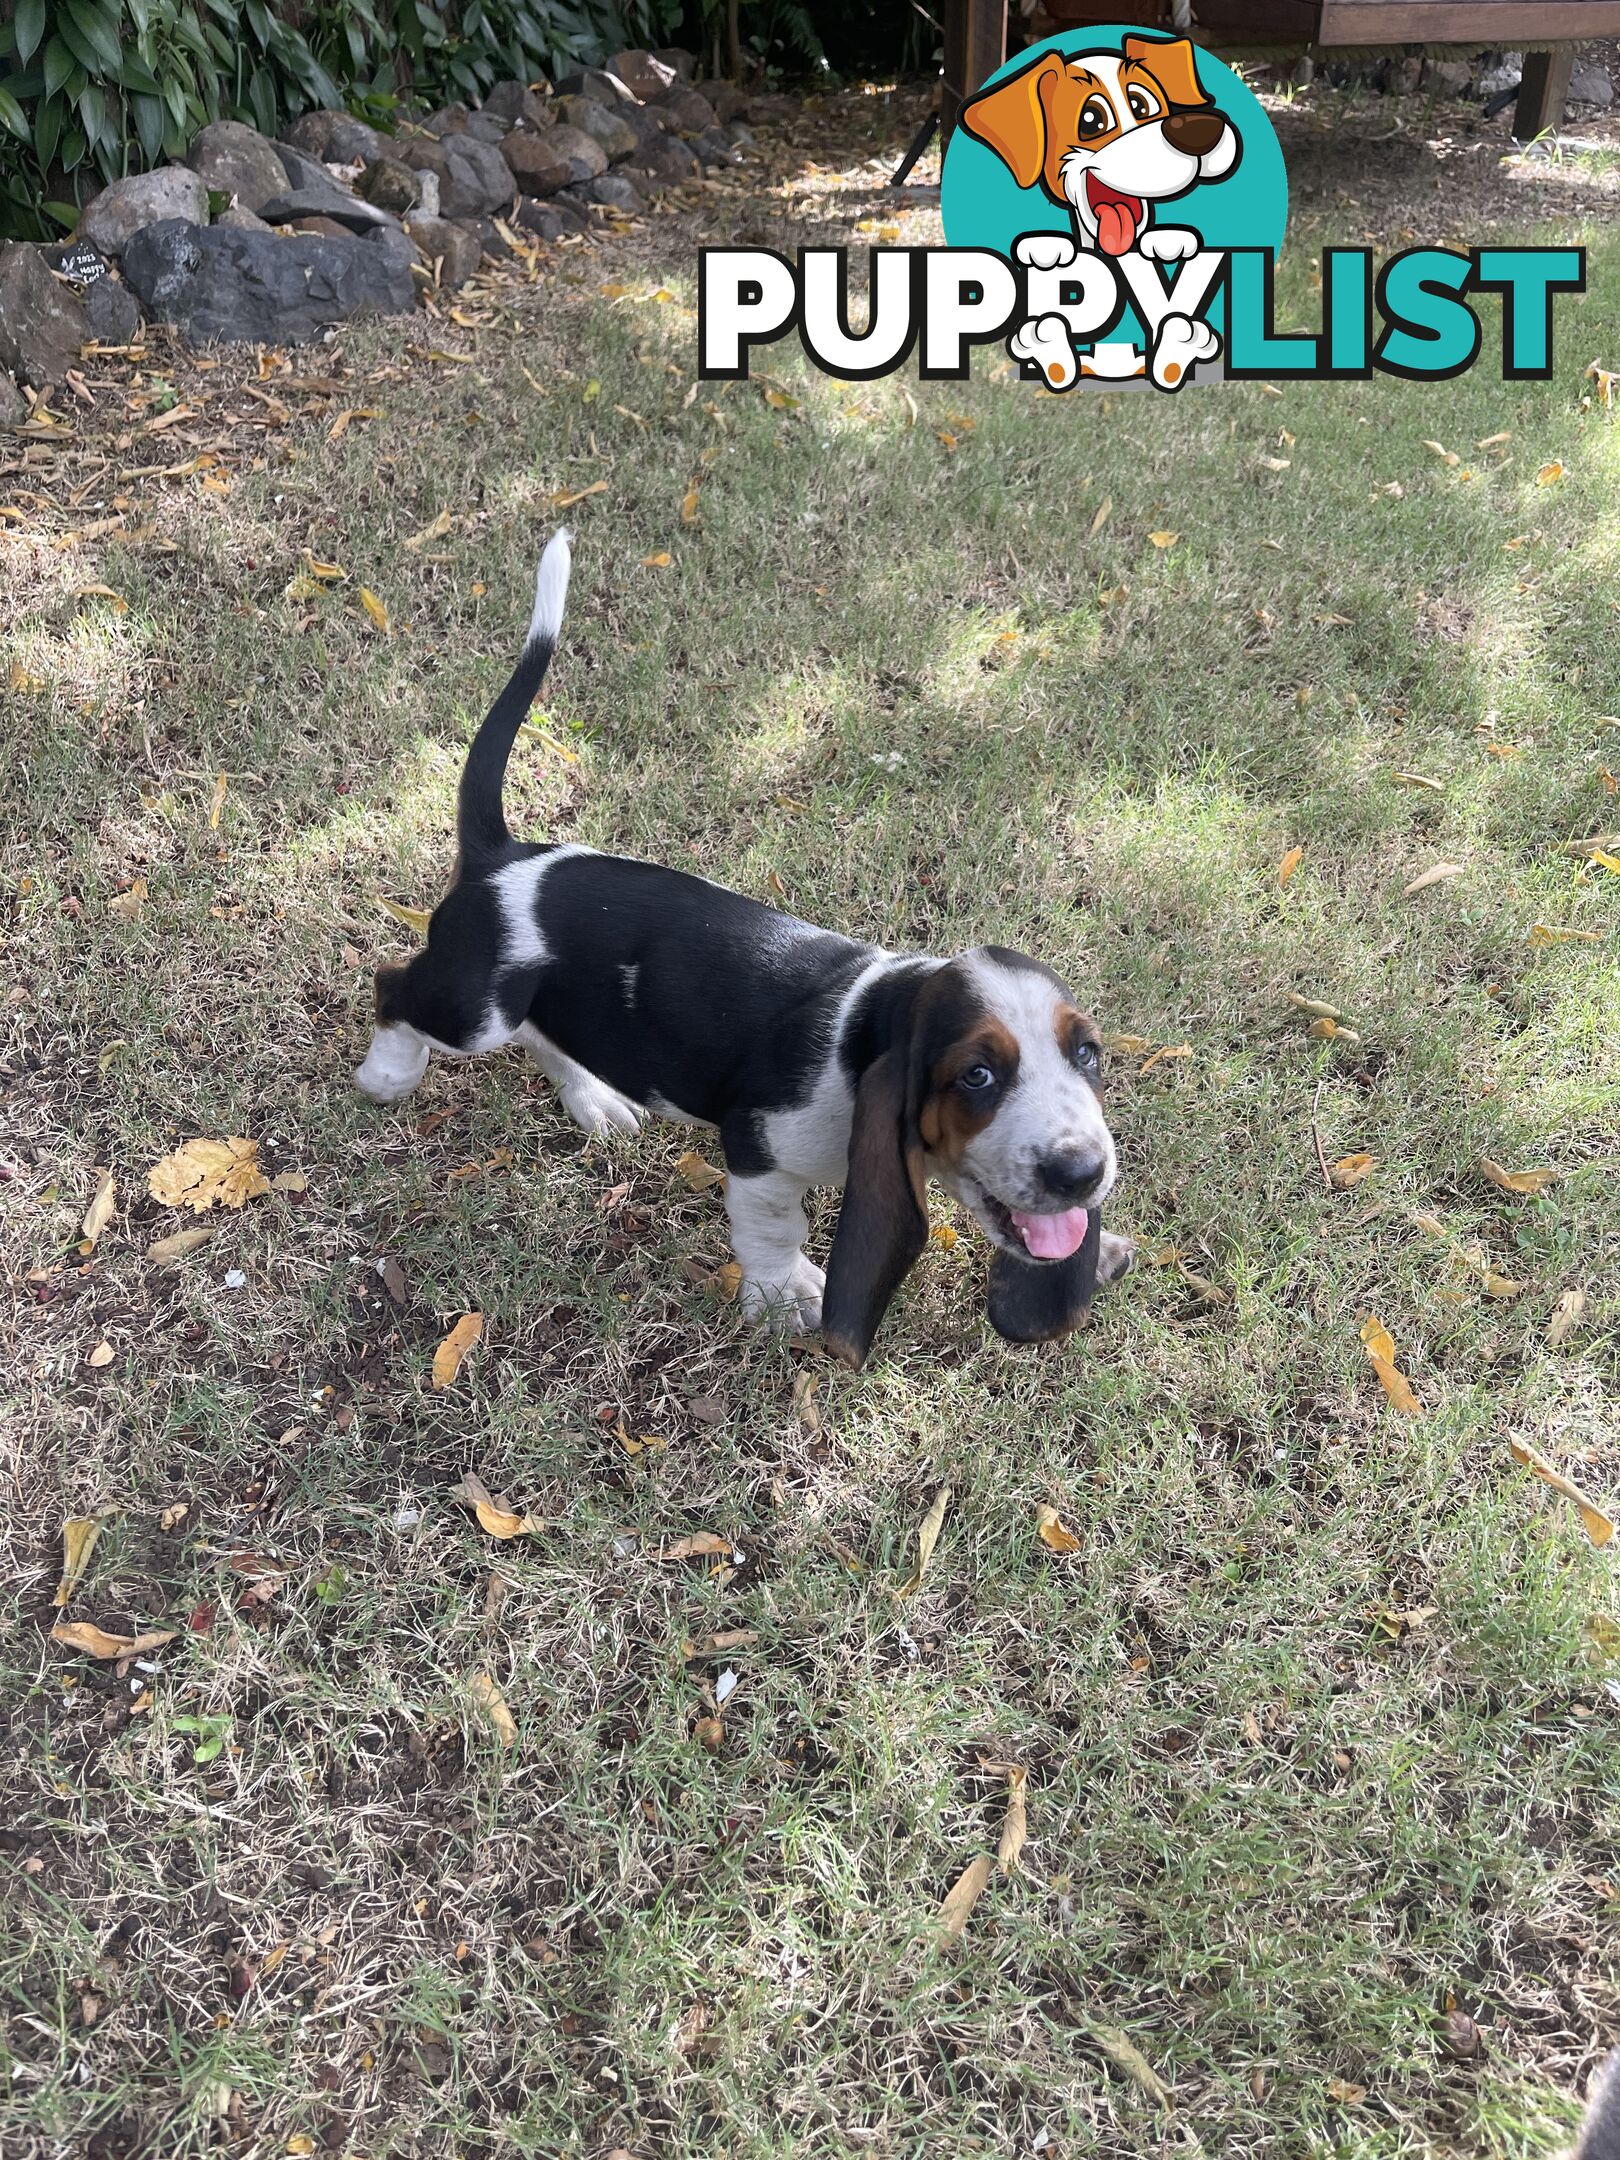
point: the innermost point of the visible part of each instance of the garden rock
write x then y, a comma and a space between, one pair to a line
455, 248
617, 140
476, 177
344, 209
516, 102
616, 191
110, 311
389, 185
551, 220
446, 120
642, 73
536, 166
678, 58
13, 405
1590, 85
689, 109
727, 101
394, 247
488, 235
232, 159
598, 83
42, 322
713, 146
738, 134
316, 224
336, 138
216, 283
585, 155
236, 219
485, 127
121, 210
667, 159
1447, 78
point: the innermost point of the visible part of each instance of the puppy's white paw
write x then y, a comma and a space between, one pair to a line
790, 1302
1116, 1256
1179, 347
596, 1108
1168, 243
1045, 343
394, 1064
1045, 251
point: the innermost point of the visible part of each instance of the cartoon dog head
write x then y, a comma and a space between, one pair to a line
1108, 135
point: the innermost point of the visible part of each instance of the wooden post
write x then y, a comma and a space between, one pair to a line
1543, 92
975, 46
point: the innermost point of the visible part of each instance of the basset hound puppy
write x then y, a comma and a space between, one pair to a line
819, 1060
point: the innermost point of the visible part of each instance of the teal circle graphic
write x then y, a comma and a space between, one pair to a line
982, 205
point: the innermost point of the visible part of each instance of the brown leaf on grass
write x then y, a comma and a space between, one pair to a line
1434, 875
1549, 474
689, 505
1163, 539
728, 1280
566, 498
413, 918
1460, 2036
204, 1174
376, 612
1314, 1006
494, 1515
1518, 1181
447, 1359
1598, 1526
1348, 1172
1125, 2055
1050, 1529
1566, 1317
435, 531
492, 1703
95, 1642
1326, 1030
100, 1211
166, 1250
1015, 1823
221, 783
696, 1174
695, 1546
1419, 780
927, 1538
660, 561
101, 1356
79, 1535
1380, 1348
1165, 1054
1289, 864
1344, 2093
963, 1895
1102, 513
804, 1401
710, 1733
125, 906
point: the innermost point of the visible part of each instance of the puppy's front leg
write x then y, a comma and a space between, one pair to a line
768, 1230
1116, 1256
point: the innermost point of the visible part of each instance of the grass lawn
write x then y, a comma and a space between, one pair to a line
1319, 1720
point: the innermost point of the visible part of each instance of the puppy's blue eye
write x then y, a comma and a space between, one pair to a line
1086, 1057
978, 1078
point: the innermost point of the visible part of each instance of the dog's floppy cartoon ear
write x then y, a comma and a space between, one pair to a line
1172, 63
1011, 118
883, 1222
1044, 1300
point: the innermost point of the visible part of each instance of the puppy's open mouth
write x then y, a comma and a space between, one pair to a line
1042, 1237
1119, 217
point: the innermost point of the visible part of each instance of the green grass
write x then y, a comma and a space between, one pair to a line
1266, 1840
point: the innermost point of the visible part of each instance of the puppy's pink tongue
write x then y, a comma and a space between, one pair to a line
1116, 227
1052, 1237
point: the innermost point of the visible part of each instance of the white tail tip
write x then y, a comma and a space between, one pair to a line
551, 588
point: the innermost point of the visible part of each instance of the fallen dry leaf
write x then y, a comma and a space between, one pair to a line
1049, 1528
100, 1211
709, 1733
79, 1535
375, 610
964, 1895
204, 1174
1015, 1824
101, 1356
1164, 539
728, 1280
221, 783
1518, 1181
1566, 1317
1419, 780
177, 1245
492, 1511
1313, 1006
1289, 864
1599, 1527
927, 1538
660, 561
289, 1181
689, 505
804, 1400
1326, 1030
1125, 2055
1349, 1170
695, 1546
492, 1703
696, 1174
448, 1357
1380, 1348
1434, 875
567, 498
1345, 2093
1549, 473
1102, 514
97, 1643
436, 531
413, 918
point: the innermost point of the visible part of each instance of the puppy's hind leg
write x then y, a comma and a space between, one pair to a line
398, 1056
591, 1103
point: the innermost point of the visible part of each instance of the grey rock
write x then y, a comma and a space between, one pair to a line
427, 199
236, 219
668, 159
476, 177
216, 283
315, 222
422, 153
486, 127
615, 191
536, 168
389, 185
488, 235
678, 58
739, 134
110, 310
617, 140
331, 201
598, 83
714, 147
394, 246
1503, 76
446, 119
516, 102
688, 108
42, 323
642, 73
728, 102
121, 210
1590, 85
233, 159
585, 155
13, 405
1447, 78
454, 248
335, 138
550, 220
766, 106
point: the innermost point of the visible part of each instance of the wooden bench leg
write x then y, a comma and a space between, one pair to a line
975, 46
1543, 92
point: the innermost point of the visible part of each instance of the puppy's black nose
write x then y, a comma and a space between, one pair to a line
1071, 1174
1196, 133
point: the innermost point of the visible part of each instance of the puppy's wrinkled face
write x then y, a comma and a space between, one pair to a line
1009, 1110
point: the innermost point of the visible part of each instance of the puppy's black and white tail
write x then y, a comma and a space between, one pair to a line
481, 822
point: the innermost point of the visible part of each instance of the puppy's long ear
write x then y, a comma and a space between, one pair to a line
1173, 64
1011, 118
883, 1222
1044, 1300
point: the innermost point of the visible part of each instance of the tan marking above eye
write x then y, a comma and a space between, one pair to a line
948, 1120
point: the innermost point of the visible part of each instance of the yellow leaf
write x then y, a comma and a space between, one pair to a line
1165, 1053
101, 1356
591, 392
1101, 517
204, 1174
221, 783
1380, 1348
178, 1245
1015, 1825
1500, 1286
964, 1895
1549, 473
1450, 457
728, 1281
1419, 780
125, 906
492, 1703
696, 1174
1164, 539
1597, 1525
1312, 1005
325, 573
1432, 876
660, 561
568, 497
97, 1643
79, 1535
943, 1236
697, 1545
1124, 2053
1566, 1317
1050, 1529
1349, 1171
289, 1181
1130, 1045
414, 918
493, 1513
778, 400
804, 1400
434, 531
1543, 934
1289, 864
100, 1210
1346, 2094
374, 609
1518, 1181
927, 1538
689, 505
1326, 1030
448, 1357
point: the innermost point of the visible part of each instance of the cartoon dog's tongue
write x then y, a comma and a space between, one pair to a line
1052, 1237
1118, 216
